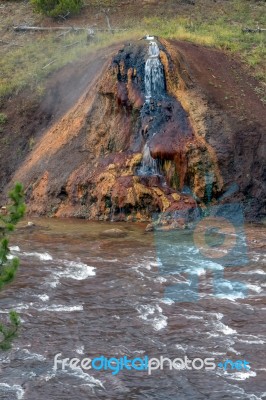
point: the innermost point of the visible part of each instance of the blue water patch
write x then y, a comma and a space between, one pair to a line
214, 239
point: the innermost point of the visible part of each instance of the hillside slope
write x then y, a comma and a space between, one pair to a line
85, 164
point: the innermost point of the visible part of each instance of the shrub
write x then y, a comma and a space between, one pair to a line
3, 118
55, 8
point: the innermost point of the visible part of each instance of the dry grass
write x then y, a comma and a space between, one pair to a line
24, 62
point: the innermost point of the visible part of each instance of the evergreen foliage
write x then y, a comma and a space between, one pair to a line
8, 265
56, 8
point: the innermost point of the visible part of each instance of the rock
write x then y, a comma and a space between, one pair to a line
149, 228
194, 143
30, 224
3, 210
114, 233
176, 196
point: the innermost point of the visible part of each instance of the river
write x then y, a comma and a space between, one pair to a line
82, 294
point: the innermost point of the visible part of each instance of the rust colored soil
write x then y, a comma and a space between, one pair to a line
225, 81
29, 116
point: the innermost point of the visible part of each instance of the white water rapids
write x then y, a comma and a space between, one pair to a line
83, 295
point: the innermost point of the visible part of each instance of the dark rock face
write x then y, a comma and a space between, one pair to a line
87, 165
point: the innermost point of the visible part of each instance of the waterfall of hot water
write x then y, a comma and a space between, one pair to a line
154, 87
154, 73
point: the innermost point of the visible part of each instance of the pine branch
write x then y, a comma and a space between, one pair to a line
8, 268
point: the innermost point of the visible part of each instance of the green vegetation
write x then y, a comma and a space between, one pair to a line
9, 266
28, 66
55, 8
222, 29
3, 118
218, 25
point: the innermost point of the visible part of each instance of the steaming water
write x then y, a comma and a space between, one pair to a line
149, 166
154, 87
83, 295
154, 73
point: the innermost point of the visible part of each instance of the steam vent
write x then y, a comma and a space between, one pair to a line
145, 137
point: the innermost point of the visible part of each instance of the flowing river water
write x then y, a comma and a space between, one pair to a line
83, 294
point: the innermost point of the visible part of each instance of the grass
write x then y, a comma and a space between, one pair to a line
223, 32
3, 118
27, 66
